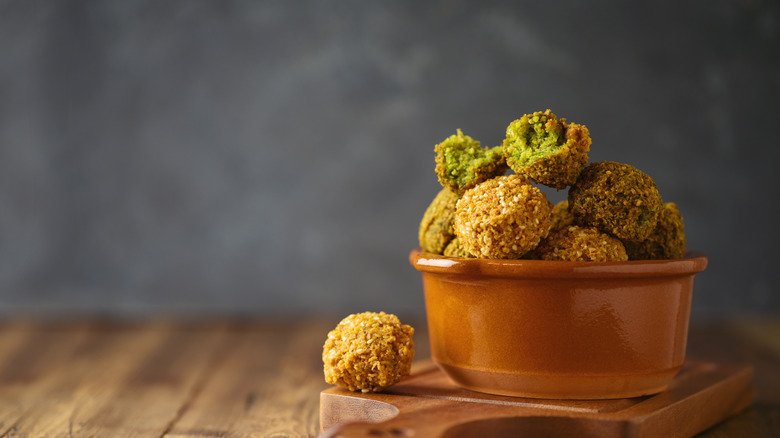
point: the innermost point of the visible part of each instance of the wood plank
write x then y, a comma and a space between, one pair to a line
53, 403
256, 378
126, 382
428, 404
743, 341
263, 387
149, 393
762, 332
29, 354
725, 342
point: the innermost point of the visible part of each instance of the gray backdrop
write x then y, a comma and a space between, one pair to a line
276, 157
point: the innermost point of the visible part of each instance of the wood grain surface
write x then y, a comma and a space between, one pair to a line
427, 403
246, 378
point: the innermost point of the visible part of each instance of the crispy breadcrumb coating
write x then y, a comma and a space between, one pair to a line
576, 243
436, 227
616, 198
504, 217
368, 352
462, 164
546, 149
667, 240
560, 216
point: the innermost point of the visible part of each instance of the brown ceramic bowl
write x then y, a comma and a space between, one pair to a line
553, 329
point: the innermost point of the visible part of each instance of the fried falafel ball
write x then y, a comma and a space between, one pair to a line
546, 149
436, 228
575, 243
616, 198
368, 352
455, 249
667, 241
560, 216
462, 164
502, 218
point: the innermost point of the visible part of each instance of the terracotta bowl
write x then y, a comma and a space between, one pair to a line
562, 330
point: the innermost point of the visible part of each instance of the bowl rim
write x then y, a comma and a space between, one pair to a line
692, 263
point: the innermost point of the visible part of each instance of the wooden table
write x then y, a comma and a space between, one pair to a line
243, 378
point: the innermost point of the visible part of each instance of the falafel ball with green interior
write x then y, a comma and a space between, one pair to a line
616, 198
667, 241
547, 150
436, 228
462, 164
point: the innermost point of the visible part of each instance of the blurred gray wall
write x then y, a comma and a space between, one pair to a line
276, 157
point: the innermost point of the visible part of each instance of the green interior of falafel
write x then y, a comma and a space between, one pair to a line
462, 155
538, 135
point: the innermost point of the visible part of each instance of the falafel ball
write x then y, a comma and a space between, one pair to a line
436, 227
667, 241
368, 352
455, 249
546, 149
575, 243
502, 218
560, 216
462, 164
616, 198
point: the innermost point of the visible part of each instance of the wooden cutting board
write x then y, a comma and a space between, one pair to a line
428, 404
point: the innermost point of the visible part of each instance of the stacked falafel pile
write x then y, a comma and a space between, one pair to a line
613, 212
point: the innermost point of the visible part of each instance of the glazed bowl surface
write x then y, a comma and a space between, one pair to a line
558, 330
